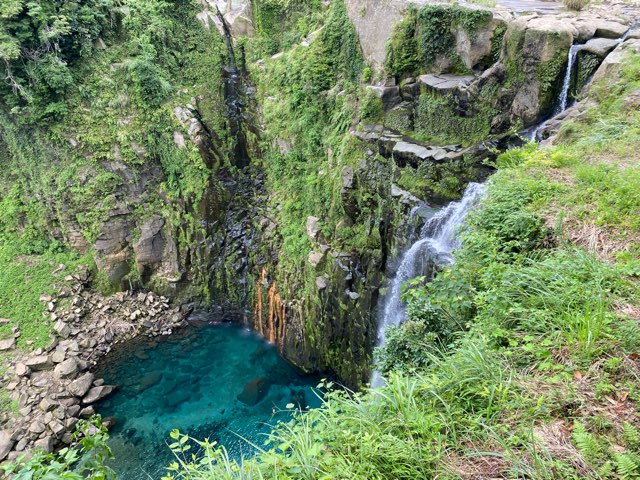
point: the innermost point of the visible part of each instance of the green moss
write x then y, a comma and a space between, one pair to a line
549, 75
115, 145
437, 118
426, 33
280, 24
497, 41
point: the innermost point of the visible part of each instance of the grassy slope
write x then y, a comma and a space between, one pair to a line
531, 367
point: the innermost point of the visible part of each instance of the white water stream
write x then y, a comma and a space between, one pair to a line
531, 133
434, 248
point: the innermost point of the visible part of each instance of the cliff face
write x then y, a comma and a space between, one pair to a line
263, 159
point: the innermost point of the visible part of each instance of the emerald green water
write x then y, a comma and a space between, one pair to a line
191, 381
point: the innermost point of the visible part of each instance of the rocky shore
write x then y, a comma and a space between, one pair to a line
54, 387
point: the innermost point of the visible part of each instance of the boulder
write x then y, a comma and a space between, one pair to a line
412, 150
315, 258
6, 443
87, 412
56, 428
390, 96
67, 369
348, 178
321, 283
612, 64
609, 29
313, 228
600, 46
374, 21
149, 248
254, 391
45, 444
445, 83
47, 404
97, 393
8, 344
39, 363
585, 29
62, 329
22, 370
58, 356
36, 427
475, 48
403, 196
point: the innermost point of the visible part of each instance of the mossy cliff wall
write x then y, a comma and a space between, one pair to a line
234, 173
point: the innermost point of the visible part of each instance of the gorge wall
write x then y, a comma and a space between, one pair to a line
263, 158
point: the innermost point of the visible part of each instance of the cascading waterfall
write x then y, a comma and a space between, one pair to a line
531, 133
433, 249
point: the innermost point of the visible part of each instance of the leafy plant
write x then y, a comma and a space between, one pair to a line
84, 460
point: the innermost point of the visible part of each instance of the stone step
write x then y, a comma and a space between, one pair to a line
445, 83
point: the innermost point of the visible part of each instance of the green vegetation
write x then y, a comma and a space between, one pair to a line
426, 33
101, 138
319, 84
85, 459
519, 361
280, 24
437, 118
577, 5
24, 277
311, 96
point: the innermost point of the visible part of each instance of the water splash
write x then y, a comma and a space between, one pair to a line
433, 249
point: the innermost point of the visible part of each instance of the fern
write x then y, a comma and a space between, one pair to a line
631, 435
627, 465
586, 443
607, 470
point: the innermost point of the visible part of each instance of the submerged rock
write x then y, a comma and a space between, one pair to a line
255, 391
176, 398
148, 381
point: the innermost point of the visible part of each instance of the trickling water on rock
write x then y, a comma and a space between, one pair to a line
216, 381
433, 249
566, 84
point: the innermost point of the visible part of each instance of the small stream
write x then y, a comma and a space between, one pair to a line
220, 382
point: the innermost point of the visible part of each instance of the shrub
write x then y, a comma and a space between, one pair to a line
576, 5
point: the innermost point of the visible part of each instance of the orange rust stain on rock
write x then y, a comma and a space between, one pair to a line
257, 321
272, 316
271, 328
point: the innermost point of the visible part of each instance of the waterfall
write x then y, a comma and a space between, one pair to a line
531, 133
433, 249
564, 93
